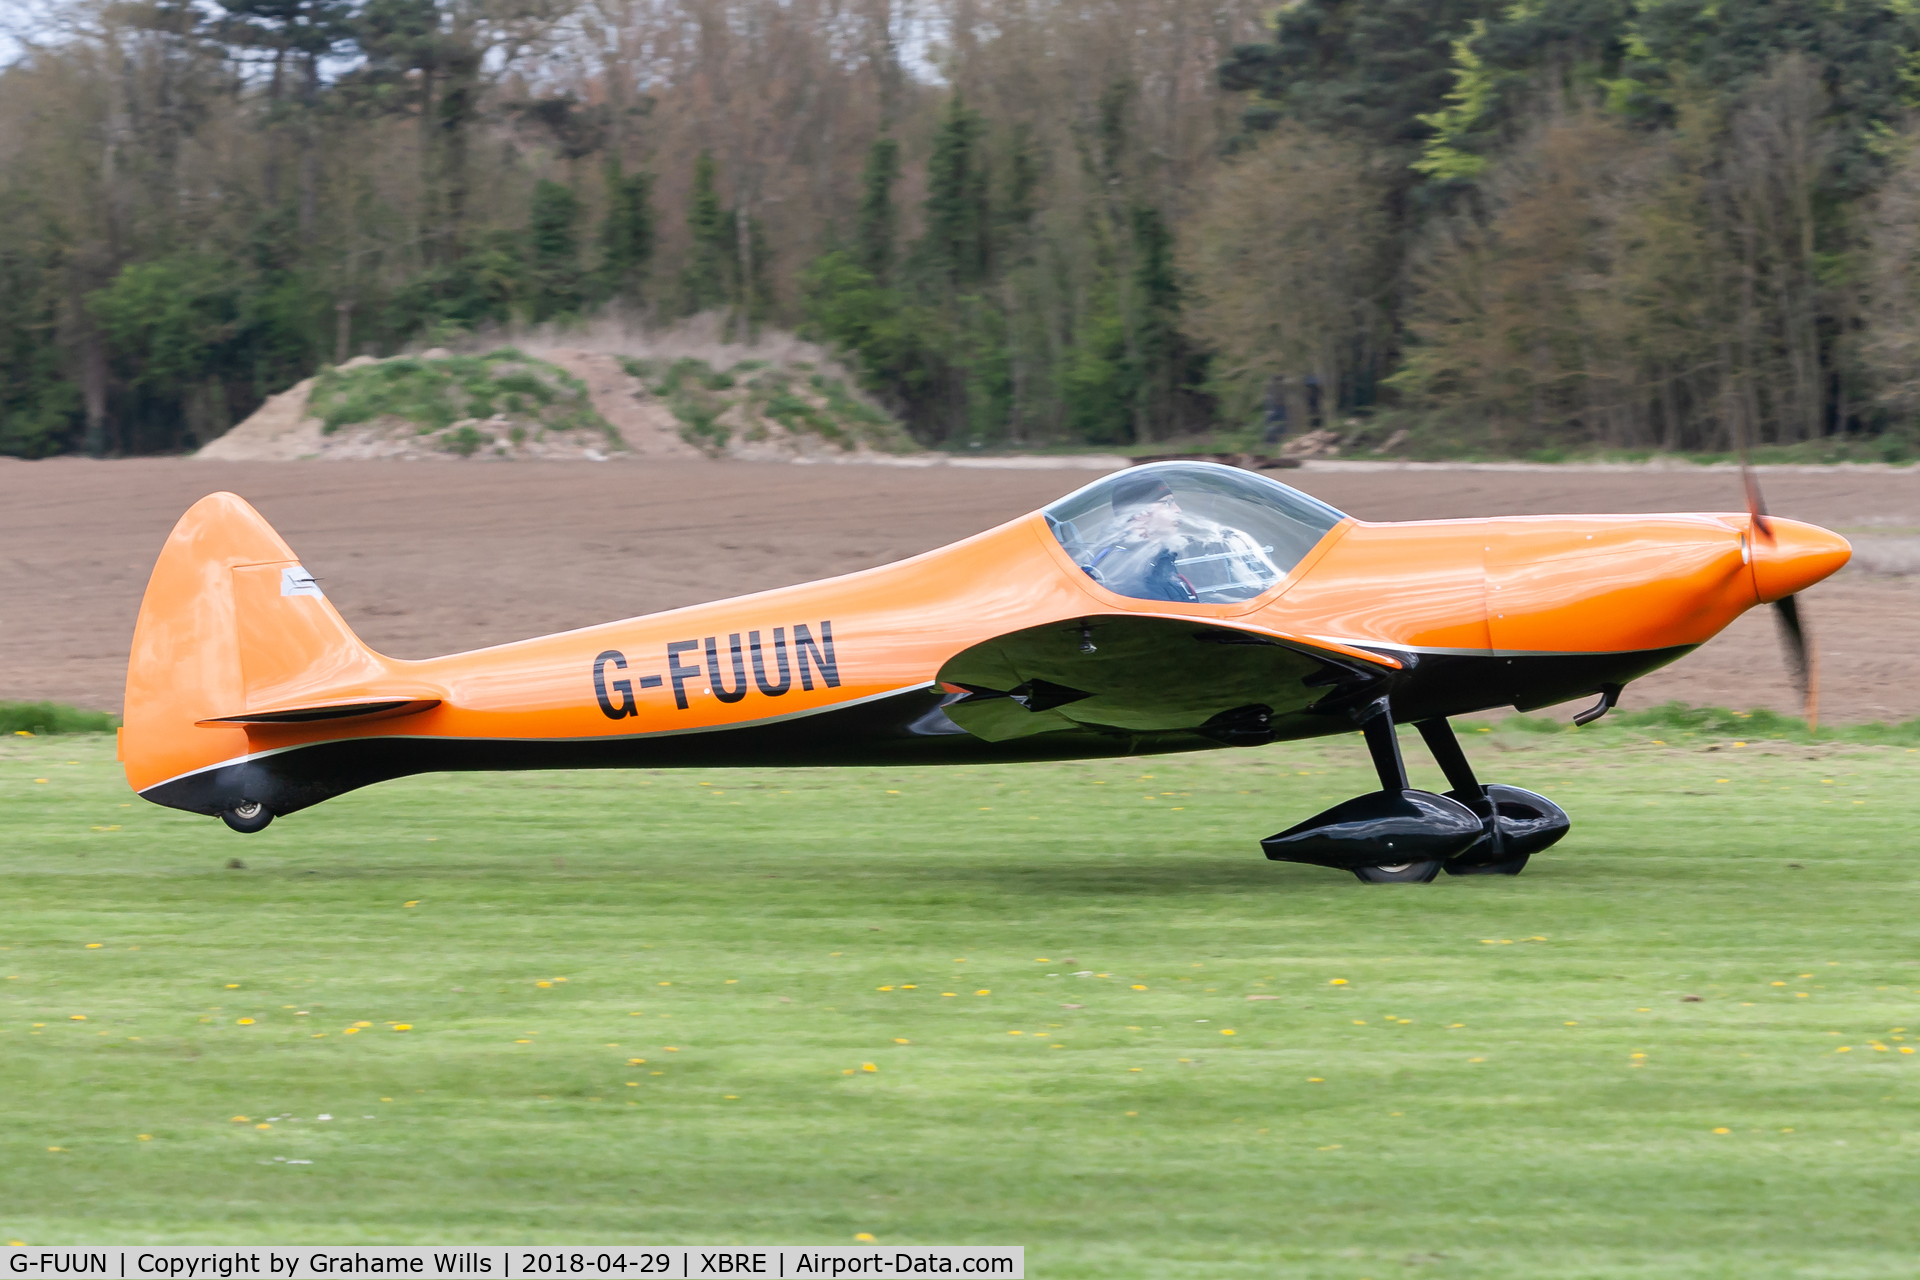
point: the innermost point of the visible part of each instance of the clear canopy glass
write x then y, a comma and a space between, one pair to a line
1189, 532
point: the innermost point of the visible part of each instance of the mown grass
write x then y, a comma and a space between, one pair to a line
1438, 1080
30, 719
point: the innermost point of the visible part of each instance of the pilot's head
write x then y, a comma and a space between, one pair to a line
1144, 504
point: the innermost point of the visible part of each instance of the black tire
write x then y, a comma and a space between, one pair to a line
1402, 873
248, 817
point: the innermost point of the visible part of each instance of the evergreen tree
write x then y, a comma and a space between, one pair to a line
957, 250
703, 281
878, 220
626, 236
554, 263
1155, 317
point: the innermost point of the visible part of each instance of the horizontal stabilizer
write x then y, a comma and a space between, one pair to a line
380, 709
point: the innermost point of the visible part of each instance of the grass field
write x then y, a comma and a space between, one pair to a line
1005, 1005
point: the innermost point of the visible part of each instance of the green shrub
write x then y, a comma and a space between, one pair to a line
463, 441
35, 719
699, 421
795, 414
436, 394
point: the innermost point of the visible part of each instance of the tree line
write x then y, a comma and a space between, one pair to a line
1522, 227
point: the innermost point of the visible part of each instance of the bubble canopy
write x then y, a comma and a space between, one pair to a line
1189, 532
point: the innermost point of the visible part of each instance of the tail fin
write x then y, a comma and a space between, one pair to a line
233, 631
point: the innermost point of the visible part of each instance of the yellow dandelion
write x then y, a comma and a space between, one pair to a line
239, 1120
1723, 1129
633, 1084
732, 982
636, 1062
1315, 1080
1845, 1048
983, 992
263, 1126
883, 988
949, 993
1476, 1059
146, 1137
354, 1031
866, 1236
1016, 1033
76, 1017
233, 986
899, 1040
868, 1066
245, 1022
1133, 1113
94, 946
543, 984
403, 1026
363, 1024
1336, 982
414, 903
664, 984
1636, 1055
1138, 987
1229, 1031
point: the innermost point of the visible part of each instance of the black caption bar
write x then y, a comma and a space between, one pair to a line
495, 1262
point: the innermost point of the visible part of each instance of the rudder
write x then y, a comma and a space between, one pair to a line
232, 631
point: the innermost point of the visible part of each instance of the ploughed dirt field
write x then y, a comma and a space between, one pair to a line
430, 559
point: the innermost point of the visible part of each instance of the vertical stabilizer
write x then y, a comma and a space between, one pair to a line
232, 626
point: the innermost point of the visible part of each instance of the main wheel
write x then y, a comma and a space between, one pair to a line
1398, 873
248, 817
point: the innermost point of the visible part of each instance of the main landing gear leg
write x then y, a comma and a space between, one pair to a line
1516, 823
1383, 744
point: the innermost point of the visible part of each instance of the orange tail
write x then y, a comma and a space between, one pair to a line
234, 632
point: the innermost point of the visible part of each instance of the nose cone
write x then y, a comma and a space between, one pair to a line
1799, 556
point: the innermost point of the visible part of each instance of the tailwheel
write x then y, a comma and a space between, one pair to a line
1400, 873
247, 817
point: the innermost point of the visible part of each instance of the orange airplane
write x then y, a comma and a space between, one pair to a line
1177, 606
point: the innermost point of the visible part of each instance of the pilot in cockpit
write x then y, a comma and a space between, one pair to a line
1139, 557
